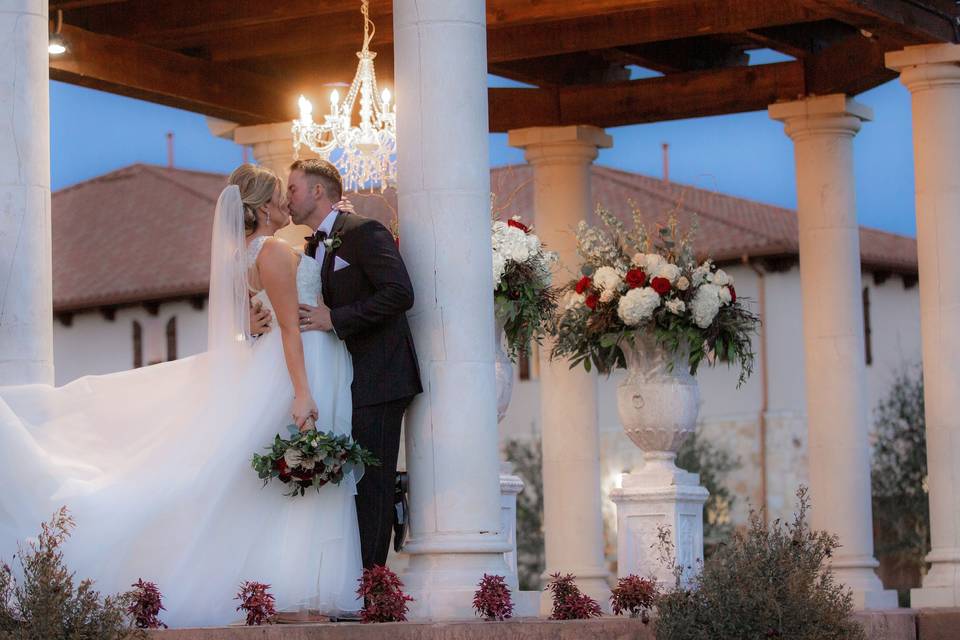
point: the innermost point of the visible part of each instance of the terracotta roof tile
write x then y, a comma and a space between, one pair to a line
143, 233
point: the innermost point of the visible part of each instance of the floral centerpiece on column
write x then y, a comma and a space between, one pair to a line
643, 302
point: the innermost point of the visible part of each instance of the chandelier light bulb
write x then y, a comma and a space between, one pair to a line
306, 111
334, 97
385, 96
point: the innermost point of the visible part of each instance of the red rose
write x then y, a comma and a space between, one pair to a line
281, 466
733, 294
660, 285
636, 278
518, 225
592, 301
583, 284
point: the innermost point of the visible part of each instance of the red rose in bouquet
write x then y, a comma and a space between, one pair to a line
592, 301
583, 284
518, 225
660, 285
635, 278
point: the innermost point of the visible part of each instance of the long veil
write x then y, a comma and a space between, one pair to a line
228, 319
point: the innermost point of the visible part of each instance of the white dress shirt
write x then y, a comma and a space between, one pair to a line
326, 226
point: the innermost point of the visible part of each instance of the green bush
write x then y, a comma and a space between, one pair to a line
770, 581
699, 455
528, 464
45, 604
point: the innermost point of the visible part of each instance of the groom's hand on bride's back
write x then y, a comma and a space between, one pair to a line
260, 319
315, 318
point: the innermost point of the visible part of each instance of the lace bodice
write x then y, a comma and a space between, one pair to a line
308, 275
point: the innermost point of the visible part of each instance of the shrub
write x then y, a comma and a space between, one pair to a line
634, 595
770, 581
527, 463
258, 603
568, 602
383, 596
146, 605
492, 598
699, 455
46, 605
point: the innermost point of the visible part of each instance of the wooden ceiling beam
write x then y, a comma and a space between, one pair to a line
140, 71
673, 97
850, 66
916, 21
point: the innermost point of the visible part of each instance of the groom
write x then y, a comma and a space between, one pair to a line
366, 292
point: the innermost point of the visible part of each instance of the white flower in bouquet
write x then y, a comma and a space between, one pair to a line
499, 266
607, 279
573, 300
683, 283
292, 457
669, 271
676, 306
608, 295
639, 260
722, 279
637, 305
725, 296
653, 262
705, 305
701, 274
533, 243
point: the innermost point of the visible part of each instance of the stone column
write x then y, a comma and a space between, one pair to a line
932, 74
26, 286
444, 204
573, 524
822, 130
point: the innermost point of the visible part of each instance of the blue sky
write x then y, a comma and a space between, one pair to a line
746, 155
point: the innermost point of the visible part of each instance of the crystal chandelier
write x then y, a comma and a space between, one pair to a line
367, 150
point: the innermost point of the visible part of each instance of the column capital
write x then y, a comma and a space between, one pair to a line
927, 65
835, 114
575, 143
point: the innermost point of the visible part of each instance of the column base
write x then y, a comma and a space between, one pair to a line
859, 575
659, 496
443, 584
941, 585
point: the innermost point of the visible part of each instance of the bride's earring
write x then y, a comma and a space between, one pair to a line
268, 215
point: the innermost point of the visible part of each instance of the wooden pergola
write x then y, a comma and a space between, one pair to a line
247, 60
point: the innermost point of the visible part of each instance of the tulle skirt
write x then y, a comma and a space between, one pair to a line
154, 466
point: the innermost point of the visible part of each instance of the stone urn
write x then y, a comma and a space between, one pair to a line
504, 371
659, 400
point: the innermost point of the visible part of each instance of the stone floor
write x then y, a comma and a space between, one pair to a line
901, 624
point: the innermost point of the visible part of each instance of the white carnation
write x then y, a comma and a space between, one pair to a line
607, 279
682, 283
669, 271
705, 305
637, 305
676, 306
721, 278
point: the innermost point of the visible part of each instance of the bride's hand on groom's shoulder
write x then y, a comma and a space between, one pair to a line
345, 206
304, 412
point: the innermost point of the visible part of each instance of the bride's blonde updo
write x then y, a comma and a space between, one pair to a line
257, 186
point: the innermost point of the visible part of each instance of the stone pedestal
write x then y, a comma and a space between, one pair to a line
822, 130
573, 524
26, 288
444, 205
510, 488
660, 496
932, 74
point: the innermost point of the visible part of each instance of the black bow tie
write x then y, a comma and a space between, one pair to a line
313, 242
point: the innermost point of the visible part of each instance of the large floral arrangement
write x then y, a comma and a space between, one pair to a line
636, 282
310, 459
523, 298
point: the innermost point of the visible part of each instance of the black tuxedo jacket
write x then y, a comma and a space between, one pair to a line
368, 300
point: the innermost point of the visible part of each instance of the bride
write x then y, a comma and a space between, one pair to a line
154, 463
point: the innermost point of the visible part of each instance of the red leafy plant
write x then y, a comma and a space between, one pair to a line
257, 602
634, 595
383, 596
568, 602
492, 598
146, 603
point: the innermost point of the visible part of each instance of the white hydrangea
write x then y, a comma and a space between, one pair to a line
722, 279
676, 306
669, 271
499, 266
637, 305
701, 274
682, 283
607, 279
705, 305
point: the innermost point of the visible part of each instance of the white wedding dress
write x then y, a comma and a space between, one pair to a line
154, 466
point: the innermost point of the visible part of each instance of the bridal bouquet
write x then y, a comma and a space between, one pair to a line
633, 282
523, 299
310, 459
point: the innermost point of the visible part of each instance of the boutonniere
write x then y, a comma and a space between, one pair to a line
332, 242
